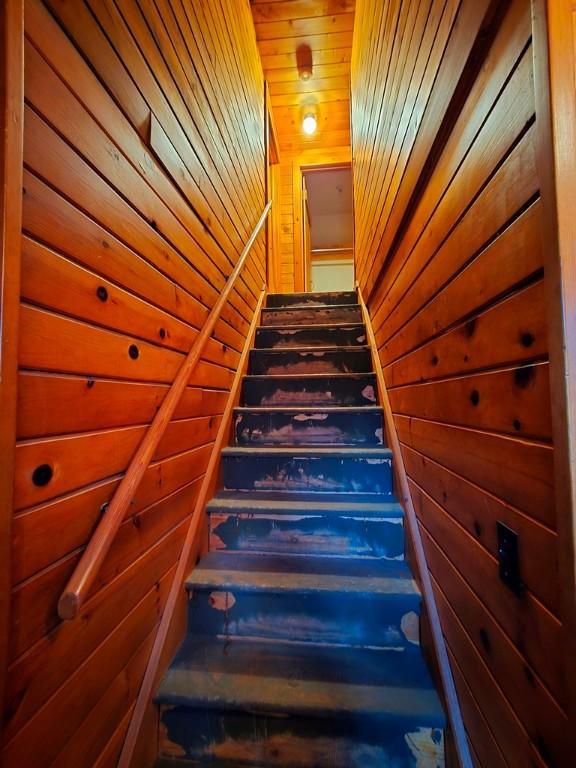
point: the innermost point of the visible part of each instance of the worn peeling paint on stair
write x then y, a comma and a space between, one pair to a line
410, 626
311, 473
323, 534
303, 645
305, 363
427, 747
308, 428
221, 601
369, 394
277, 741
336, 618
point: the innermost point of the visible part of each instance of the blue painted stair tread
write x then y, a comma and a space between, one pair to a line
299, 426
319, 315
307, 574
311, 299
322, 469
248, 700
345, 389
276, 522
343, 601
326, 503
341, 335
310, 360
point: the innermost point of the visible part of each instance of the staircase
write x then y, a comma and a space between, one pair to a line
302, 649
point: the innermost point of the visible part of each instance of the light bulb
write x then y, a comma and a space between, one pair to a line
309, 124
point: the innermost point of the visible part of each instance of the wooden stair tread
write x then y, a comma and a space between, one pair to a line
315, 307
302, 679
346, 409
315, 376
318, 503
337, 452
305, 573
308, 350
310, 299
324, 326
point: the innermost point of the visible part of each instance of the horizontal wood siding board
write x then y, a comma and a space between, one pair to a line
90, 403
513, 401
539, 712
478, 511
518, 471
34, 526
510, 260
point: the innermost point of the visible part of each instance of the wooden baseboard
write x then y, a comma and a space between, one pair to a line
458, 737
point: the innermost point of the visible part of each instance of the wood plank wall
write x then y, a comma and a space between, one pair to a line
450, 256
143, 179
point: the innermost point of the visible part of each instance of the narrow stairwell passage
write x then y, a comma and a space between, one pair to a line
303, 636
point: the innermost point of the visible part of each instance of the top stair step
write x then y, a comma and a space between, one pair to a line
315, 315
311, 299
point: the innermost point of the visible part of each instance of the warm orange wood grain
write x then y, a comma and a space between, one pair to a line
170, 630
452, 252
554, 30
126, 244
87, 570
11, 116
284, 29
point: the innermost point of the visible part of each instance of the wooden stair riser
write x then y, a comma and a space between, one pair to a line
237, 738
320, 336
311, 315
287, 362
323, 535
354, 390
311, 299
318, 474
325, 617
309, 428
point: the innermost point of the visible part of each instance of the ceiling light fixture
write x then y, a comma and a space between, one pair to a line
309, 124
304, 62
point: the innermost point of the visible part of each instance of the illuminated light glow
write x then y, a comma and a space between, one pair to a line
309, 124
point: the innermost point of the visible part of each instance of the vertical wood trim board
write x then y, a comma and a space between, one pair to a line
140, 191
454, 252
554, 32
11, 106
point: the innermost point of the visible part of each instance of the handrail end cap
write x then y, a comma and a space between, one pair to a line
68, 606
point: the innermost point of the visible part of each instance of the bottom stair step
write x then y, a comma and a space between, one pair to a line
281, 704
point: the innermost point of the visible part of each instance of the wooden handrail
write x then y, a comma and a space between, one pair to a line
447, 680
169, 633
87, 569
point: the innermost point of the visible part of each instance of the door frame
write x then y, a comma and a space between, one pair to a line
328, 160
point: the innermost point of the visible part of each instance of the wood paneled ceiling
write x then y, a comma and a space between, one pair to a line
285, 30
